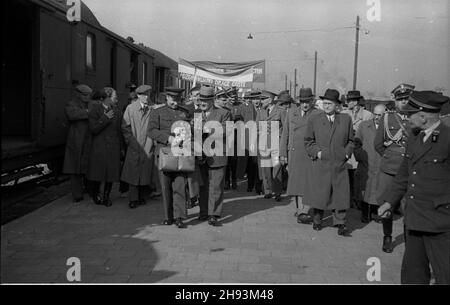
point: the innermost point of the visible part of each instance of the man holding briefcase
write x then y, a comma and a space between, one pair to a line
173, 183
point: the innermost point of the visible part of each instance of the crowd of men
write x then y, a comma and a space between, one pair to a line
331, 154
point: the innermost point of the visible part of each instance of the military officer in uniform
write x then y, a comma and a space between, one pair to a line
423, 179
390, 143
173, 184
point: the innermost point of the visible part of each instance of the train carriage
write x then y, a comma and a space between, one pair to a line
44, 56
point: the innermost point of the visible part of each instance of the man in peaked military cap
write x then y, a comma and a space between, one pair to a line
78, 140
423, 179
173, 184
390, 143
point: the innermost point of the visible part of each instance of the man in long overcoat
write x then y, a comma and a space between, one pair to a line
293, 152
78, 139
329, 142
269, 150
138, 165
368, 164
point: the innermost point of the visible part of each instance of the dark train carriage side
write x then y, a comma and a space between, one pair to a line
43, 58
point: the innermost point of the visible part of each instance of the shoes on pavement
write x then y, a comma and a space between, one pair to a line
168, 222
387, 244
343, 230
213, 221
304, 218
179, 223
133, 204
317, 227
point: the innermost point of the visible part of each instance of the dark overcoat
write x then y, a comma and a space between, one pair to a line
78, 138
139, 159
327, 185
368, 161
424, 180
104, 157
292, 147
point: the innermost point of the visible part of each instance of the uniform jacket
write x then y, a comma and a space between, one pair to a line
424, 180
104, 158
328, 183
138, 166
161, 121
392, 155
368, 161
78, 138
292, 147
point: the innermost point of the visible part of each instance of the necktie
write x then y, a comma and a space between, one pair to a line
145, 110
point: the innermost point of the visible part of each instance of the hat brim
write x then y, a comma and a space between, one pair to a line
206, 98
306, 99
330, 99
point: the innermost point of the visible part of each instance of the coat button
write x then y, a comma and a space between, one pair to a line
403, 155
411, 197
435, 160
414, 172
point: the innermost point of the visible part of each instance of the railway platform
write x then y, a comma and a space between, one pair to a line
259, 242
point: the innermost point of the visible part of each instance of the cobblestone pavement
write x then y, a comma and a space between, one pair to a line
259, 242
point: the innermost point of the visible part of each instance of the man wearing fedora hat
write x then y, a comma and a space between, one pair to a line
390, 143
212, 168
293, 153
269, 153
329, 143
356, 111
423, 179
355, 108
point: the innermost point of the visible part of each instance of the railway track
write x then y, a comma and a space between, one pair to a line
20, 199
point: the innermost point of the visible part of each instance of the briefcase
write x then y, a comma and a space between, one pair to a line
170, 163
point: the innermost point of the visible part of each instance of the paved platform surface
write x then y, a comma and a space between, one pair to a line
259, 242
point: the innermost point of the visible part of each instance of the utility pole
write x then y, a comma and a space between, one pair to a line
290, 87
355, 67
285, 82
315, 71
295, 82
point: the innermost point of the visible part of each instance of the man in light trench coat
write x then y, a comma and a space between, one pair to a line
139, 163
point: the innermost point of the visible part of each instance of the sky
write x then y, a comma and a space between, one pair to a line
409, 44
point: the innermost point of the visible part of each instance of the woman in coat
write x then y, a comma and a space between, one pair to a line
104, 160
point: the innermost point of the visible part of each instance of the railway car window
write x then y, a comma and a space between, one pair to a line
90, 51
144, 73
